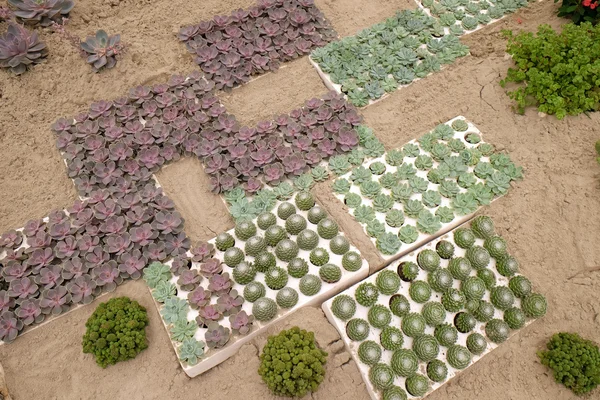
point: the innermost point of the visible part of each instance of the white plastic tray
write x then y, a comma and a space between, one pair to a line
361, 312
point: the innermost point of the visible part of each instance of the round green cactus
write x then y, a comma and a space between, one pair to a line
446, 334
520, 286
437, 370
307, 239
428, 260
265, 220
426, 347
404, 362
287, 297
351, 261
458, 356
369, 352
391, 338
379, 316
253, 291
276, 278
264, 309
297, 268
413, 324
388, 282
476, 343
357, 329
310, 285
434, 313
330, 273
245, 229
417, 385
399, 305
419, 291
534, 305
343, 307
497, 330
381, 376
366, 294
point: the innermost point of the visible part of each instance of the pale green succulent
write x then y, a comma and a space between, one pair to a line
364, 213
388, 180
243, 209
164, 290
341, 186
174, 309
389, 84
481, 193
428, 223
499, 183
264, 200
284, 191
426, 142
483, 170
190, 351
375, 228
319, 174
357, 97
418, 184
456, 145
447, 19
377, 168
500, 160
464, 204
513, 172
402, 192
360, 175
352, 200
412, 208
423, 162
469, 23
455, 165
394, 158
356, 157
440, 151
155, 273
374, 148
411, 150
445, 214
408, 234
234, 195
370, 189
449, 189
457, 30
470, 156
431, 199
486, 149
466, 180
405, 171
183, 329
383, 203
388, 243
304, 182
339, 165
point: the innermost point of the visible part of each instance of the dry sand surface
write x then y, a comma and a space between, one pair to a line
551, 219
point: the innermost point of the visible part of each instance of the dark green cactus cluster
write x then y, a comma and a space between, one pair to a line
412, 192
464, 286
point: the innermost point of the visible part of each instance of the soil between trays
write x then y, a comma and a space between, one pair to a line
551, 219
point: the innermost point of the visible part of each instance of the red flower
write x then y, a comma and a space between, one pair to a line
586, 3
594, 5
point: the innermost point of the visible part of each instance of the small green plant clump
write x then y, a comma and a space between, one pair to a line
574, 360
558, 71
580, 10
292, 364
116, 331
598, 151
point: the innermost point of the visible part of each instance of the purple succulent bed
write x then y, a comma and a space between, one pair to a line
230, 49
124, 221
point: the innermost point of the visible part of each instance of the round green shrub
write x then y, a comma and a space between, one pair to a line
286, 378
116, 331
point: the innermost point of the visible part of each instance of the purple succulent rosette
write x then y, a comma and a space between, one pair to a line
230, 49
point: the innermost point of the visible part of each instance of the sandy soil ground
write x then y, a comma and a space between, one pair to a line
551, 219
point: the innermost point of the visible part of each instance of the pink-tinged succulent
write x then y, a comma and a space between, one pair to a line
246, 134
40, 258
313, 157
6, 302
230, 303
199, 298
74, 268
245, 167
87, 243
49, 277
102, 50
42, 12
11, 239
10, 326
143, 235
100, 108
180, 264
150, 157
55, 301
93, 230
346, 139
29, 312
98, 196
216, 335
274, 173
177, 245
62, 125
303, 143
168, 222
66, 248
107, 276
13, 255
20, 48
87, 128
237, 151
202, 251
215, 163
333, 125
82, 289
208, 314
113, 225
189, 279
119, 151
294, 164
100, 156
155, 251
57, 217
33, 227
220, 284
163, 203
118, 243
241, 323
131, 264
96, 257
282, 151
351, 117
263, 156
252, 185
106, 209
327, 147
211, 267
14, 270
22, 288
59, 230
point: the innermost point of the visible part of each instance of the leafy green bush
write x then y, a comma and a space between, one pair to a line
116, 331
575, 361
292, 364
560, 72
598, 151
580, 10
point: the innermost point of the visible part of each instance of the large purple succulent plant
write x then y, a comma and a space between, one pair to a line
42, 12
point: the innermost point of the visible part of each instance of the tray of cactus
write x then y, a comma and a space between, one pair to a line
237, 284
413, 194
417, 323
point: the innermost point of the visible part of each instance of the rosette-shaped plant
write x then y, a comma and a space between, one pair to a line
9, 326
163, 291
499, 183
408, 234
230, 303
304, 182
339, 165
82, 289
55, 301
383, 203
216, 336
241, 323
102, 50
174, 309
428, 223
464, 204
292, 379
199, 297
42, 12
375, 228
220, 284
388, 243
20, 48
191, 350
29, 312
182, 330
155, 273
364, 214
189, 279
211, 267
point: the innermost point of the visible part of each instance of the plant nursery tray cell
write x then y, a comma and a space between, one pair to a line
383, 299
213, 357
472, 185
